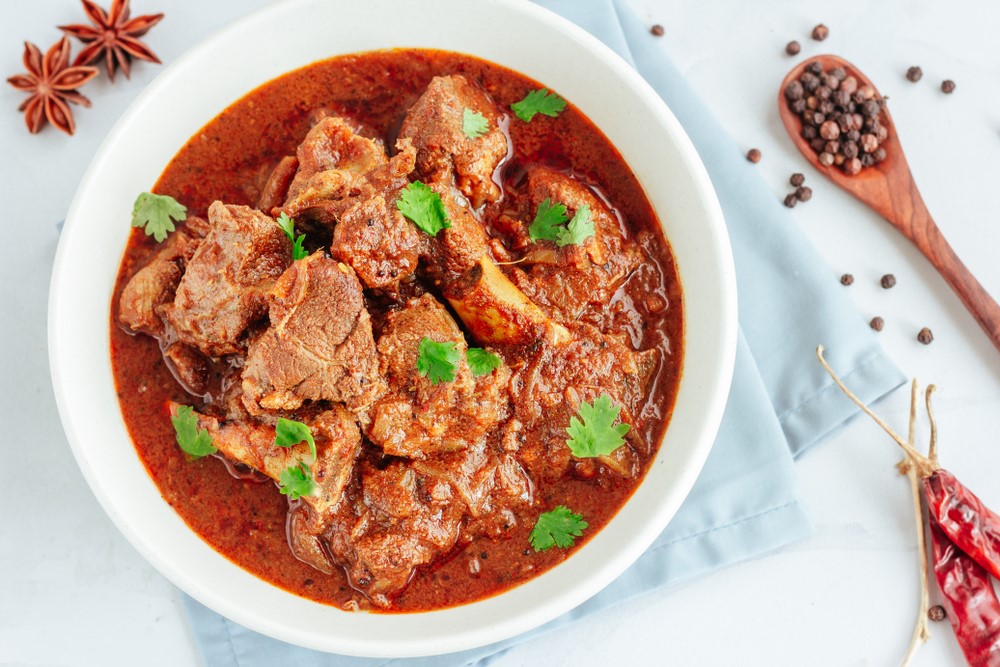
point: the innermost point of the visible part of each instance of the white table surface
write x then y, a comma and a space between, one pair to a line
74, 592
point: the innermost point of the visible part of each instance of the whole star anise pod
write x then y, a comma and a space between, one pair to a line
114, 36
52, 83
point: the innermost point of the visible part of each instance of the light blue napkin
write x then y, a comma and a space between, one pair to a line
745, 503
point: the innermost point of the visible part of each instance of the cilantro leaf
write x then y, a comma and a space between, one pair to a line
296, 481
437, 361
196, 442
156, 214
548, 219
482, 362
579, 229
556, 529
474, 124
538, 101
423, 207
289, 433
597, 435
288, 226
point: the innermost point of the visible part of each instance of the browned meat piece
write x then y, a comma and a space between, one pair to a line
458, 248
319, 345
225, 284
156, 283
548, 390
378, 242
189, 366
444, 152
565, 281
276, 188
417, 418
338, 442
334, 143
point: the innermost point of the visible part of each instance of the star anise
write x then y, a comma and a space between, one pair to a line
52, 83
114, 36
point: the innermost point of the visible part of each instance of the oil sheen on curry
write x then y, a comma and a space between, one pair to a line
415, 338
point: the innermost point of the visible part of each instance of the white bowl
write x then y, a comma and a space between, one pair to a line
198, 86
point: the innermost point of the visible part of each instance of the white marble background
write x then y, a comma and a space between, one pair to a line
73, 592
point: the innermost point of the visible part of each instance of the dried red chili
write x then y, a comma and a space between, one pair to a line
972, 526
973, 607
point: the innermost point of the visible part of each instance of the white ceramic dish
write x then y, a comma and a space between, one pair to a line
198, 86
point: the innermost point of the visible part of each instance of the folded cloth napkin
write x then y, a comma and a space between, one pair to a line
745, 501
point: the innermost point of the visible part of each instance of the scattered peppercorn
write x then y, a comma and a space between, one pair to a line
791, 200
657, 30
797, 179
847, 279
820, 32
888, 281
937, 613
877, 323
925, 336
914, 74
753, 155
947, 86
803, 193
793, 48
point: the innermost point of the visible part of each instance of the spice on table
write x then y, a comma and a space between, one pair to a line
820, 32
947, 86
803, 193
937, 613
793, 48
888, 281
753, 155
914, 74
52, 83
113, 35
847, 279
925, 336
657, 30
797, 179
791, 200
877, 323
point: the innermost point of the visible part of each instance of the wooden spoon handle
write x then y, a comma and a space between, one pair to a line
925, 234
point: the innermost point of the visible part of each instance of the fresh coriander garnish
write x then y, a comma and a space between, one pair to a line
482, 362
548, 221
296, 481
548, 224
196, 442
423, 207
437, 361
557, 528
579, 229
156, 214
288, 226
538, 101
289, 433
474, 124
597, 435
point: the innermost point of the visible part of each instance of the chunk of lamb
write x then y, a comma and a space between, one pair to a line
548, 391
155, 284
319, 345
417, 418
334, 143
377, 242
338, 442
565, 281
445, 153
225, 284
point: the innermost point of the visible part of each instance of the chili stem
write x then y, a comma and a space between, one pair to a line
932, 450
921, 633
922, 462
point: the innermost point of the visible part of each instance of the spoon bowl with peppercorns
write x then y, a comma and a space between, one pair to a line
838, 120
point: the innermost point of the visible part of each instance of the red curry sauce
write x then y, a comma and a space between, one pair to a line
229, 160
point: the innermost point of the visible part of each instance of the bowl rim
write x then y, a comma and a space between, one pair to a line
718, 388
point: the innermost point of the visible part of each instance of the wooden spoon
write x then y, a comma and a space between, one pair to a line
888, 188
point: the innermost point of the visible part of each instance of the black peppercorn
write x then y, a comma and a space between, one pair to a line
794, 90
797, 179
879, 155
914, 74
839, 73
791, 201
809, 132
657, 30
877, 323
815, 67
854, 135
818, 144
753, 155
824, 92
793, 48
820, 32
847, 279
925, 336
799, 107
809, 80
888, 280
937, 613
870, 108
947, 86
803, 193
